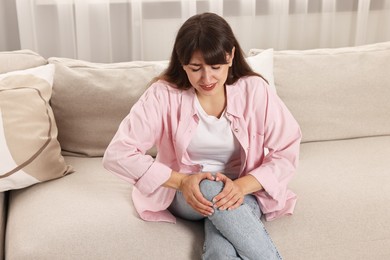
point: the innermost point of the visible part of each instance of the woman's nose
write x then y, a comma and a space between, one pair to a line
207, 75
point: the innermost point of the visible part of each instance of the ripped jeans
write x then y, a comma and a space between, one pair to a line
234, 234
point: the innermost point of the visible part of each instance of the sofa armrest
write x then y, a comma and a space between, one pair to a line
3, 220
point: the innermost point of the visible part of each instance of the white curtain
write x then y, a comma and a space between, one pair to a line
123, 30
9, 34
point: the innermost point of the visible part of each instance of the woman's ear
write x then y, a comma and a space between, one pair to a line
231, 57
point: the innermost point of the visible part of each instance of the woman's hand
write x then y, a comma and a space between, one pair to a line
232, 195
189, 186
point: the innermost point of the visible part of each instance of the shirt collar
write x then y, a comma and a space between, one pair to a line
234, 106
188, 108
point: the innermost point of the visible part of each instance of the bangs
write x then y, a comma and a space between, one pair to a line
213, 52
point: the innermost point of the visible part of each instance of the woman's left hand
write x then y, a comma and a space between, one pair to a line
232, 195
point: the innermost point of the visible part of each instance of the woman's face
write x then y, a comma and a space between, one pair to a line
208, 80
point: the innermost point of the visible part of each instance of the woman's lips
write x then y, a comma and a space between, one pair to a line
208, 87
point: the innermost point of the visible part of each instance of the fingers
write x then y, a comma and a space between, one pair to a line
200, 199
220, 177
195, 199
209, 176
193, 196
200, 204
228, 188
230, 204
231, 197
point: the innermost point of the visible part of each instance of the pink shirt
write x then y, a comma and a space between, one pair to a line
167, 117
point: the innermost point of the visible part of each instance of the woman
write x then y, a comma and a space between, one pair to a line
210, 117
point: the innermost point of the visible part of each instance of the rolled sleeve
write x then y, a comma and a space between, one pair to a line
153, 178
139, 131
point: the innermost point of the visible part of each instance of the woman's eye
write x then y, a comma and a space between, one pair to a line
215, 67
195, 70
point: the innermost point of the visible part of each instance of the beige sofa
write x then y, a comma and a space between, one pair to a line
340, 97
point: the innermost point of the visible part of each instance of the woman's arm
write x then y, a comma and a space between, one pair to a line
282, 138
139, 131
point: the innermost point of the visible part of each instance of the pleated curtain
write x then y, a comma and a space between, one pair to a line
124, 30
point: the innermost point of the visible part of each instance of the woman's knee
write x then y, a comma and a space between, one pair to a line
210, 189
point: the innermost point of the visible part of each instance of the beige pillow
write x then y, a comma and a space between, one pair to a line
29, 150
20, 60
91, 99
336, 93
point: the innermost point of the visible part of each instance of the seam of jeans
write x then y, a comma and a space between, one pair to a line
266, 231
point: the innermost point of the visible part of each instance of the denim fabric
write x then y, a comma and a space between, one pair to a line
229, 234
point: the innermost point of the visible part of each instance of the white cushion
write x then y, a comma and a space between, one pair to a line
262, 62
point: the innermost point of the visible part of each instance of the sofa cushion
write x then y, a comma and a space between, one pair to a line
90, 215
91, 99
20, 60
342, 211
29, 150
336, 93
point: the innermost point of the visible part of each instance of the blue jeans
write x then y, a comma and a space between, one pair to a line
234, 234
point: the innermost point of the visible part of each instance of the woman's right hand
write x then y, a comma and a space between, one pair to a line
189, 186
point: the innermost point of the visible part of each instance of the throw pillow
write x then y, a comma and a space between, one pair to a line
262, 62
93, 98
29, 150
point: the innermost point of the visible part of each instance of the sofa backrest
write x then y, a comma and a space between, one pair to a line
333, 93
20, 60
90, 99
336, 93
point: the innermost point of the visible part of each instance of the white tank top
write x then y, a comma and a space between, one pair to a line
214, 146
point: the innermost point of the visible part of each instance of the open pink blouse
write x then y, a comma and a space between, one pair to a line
167, 117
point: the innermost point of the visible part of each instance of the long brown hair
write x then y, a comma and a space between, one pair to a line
213, 37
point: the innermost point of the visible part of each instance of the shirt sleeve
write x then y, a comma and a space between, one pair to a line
282, 136
138, 132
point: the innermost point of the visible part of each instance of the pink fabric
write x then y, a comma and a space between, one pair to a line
166, 117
